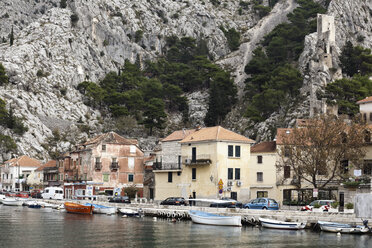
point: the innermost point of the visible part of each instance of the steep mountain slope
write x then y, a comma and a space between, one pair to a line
57, 48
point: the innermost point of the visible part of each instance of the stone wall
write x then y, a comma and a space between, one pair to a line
363, 205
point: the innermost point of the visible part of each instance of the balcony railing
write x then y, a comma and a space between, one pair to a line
203, 159
98, 166
114, 166
167, 166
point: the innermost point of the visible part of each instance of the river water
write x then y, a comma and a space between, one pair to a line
26, 227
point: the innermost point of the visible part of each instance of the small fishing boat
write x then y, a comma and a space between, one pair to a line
101, 209
76, 208
344, 228
270, 223
129, 212
2, 197
201, 217
32, 204
12, 202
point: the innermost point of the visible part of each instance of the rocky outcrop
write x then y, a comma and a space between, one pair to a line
57, 48
53, 52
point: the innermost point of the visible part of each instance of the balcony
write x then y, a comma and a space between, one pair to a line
166, 166
114, 166
203, 159
98, 166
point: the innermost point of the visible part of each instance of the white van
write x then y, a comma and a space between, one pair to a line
55, 193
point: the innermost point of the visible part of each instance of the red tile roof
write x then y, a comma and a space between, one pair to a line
23, 161
281, 134
365, 100
178, 135
216, 133
269, 146
112, 138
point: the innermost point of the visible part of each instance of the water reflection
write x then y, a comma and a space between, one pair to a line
25, 227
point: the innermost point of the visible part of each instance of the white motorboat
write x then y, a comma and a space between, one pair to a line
201, 217
2, 197
270, 223
101, 209
129, 212
344, 228
12, 202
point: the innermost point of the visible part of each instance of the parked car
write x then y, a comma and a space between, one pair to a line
36, 193
325, 205
23, 195
262, 203
119, 199
174, 201
230, 203
11, 194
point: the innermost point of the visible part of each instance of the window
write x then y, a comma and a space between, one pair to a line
230, 172
230, 151
170, 177
365, 117
367, 167
11, 176
193, 173
259, 176
287, 151
345, 166
103, 147
193, 154
106, 177
132, 149
287, 171
261, 194
259, 159
237, 151
98, 159
130, 178
367, 136
131, 162
237, 174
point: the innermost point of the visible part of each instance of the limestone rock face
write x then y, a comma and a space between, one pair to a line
52, 54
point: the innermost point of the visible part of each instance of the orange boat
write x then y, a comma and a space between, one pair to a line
78, 208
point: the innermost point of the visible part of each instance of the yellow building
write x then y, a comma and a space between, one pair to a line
214, 164
262, 171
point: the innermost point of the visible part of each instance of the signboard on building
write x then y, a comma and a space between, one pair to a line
315, 192
220, 185
357, 173
89, 191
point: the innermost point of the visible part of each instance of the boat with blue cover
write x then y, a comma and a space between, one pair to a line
101, 209
344, 228
201, 217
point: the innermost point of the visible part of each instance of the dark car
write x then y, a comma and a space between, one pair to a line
227, 203
262, 203
36, 193
119, 199
174, 201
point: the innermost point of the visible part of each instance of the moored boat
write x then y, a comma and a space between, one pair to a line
201, 217
2, 197
344, 228
270, 223
101, 209
129, 212
76, 208
12, 202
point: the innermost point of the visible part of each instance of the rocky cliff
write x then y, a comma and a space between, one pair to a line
57, 48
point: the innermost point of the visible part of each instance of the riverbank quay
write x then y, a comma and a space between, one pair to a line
249, 216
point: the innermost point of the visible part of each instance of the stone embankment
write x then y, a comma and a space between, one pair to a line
249, 216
